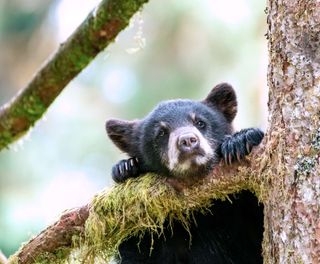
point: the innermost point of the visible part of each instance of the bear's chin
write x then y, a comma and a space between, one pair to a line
191, 169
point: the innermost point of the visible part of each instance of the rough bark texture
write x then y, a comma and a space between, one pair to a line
93, 35
292, 178
58, 236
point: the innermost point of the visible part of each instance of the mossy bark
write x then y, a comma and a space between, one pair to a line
54, 244
292, 154
94, 232
92, 36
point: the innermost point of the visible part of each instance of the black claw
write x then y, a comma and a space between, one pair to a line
248, 148
120, 169
229, 159
240, 144
125, 169
226, 158
238, 156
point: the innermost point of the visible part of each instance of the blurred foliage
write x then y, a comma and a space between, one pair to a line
173, 49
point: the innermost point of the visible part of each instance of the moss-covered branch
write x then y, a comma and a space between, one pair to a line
56, 240
132, 208
92, 36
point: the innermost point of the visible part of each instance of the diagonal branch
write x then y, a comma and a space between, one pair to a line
57, 236
92, 36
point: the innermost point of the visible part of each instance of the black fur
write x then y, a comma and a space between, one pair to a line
141, 140
223, 98
233, 233
124, 169
235, 147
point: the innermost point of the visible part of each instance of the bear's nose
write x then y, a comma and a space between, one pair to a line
188, 142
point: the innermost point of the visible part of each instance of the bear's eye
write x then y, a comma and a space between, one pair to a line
200, 124
161, 132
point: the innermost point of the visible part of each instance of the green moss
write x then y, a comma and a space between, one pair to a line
140, 205
5, 139
31, 107
59, 257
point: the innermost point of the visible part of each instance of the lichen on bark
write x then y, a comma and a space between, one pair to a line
292, 206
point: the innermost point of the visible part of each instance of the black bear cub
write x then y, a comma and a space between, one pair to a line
185, 139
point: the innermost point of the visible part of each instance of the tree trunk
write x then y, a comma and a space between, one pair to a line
291, 167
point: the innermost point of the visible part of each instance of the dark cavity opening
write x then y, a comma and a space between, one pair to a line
232, 233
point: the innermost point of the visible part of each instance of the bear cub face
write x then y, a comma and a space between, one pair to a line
179, 138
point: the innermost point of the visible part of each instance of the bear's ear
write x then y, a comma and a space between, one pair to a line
121, 133
223, 98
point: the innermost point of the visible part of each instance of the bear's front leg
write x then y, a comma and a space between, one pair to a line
124, 169
237, 146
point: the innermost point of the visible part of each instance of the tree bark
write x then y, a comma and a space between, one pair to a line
58, 236
292, 179
92, 36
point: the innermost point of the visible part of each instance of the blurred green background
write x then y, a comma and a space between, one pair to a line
173, 49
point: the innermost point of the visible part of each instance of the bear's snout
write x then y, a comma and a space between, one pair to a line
188, 142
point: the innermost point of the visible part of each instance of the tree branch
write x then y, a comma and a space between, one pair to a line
92, 36
131, 208
57, 236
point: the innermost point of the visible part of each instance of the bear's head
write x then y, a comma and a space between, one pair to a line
179, 138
